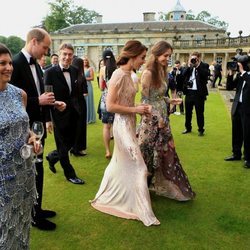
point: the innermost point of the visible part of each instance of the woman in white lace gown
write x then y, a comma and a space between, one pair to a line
123, 191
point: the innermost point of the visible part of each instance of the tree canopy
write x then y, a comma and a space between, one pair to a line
64, 13
202, 16
14, 43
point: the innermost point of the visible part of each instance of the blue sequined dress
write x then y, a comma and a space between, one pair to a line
17, 177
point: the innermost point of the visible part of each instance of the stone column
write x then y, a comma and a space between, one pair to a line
215, 54
225, 64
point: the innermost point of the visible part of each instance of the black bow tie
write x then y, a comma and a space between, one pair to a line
32, 61
66, 70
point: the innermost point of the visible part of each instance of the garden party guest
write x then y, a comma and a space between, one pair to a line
166, 175
123, 191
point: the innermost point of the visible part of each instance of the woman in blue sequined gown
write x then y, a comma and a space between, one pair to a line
167, 177
89, 75
17, 176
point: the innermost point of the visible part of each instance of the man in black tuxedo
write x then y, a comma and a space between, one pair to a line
27, 75
63, 78
195, 88
217, 74
241, 111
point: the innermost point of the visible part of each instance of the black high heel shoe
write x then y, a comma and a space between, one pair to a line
79, 153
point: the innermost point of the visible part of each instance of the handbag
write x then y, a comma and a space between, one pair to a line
103, 101
103, 84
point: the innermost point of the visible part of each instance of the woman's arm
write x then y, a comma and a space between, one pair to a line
102, 78
91, 77
145, 83
114, 107
24, 98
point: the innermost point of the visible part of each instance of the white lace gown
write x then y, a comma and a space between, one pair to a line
123, 191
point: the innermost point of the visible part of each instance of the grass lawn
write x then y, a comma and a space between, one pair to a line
218, 218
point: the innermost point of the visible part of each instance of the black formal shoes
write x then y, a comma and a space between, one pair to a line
51, 165
186, 131
44, 224
247, 164
79, 153
233, 158
76, 180
201, 134
47, 213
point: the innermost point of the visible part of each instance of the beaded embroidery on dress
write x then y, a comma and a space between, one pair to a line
123, 191
168, 178
17, 177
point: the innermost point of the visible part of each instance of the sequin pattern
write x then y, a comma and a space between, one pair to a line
17, 177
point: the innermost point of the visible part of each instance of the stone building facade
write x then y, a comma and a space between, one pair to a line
186, 36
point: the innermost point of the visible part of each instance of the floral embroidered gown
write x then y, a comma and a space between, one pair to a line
167, 177
123, 191
17, 177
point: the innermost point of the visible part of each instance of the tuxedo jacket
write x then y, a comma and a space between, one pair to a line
65, 121
202, 73
238, 83
22, 77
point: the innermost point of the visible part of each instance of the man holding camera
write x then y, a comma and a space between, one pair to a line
241, 110
195, 88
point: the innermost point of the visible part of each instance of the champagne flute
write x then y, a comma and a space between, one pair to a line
179, 94
48, 88
38, 130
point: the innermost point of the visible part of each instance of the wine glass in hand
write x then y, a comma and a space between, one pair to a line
38, 130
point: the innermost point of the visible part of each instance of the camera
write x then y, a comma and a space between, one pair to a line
239, 58
193, 60
232, 65
189, 84
174, 69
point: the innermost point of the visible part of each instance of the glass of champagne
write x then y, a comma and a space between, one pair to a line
48, 88
38, 130
179, 94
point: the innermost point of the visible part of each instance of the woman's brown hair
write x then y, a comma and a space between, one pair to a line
159, 72
131, 49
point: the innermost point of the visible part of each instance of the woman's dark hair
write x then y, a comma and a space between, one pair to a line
78, 63
131, 49
4, 50
109, 62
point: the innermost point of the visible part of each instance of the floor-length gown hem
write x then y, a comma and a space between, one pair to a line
117, 213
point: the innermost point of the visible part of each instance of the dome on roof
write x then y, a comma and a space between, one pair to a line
178, 12
178, 7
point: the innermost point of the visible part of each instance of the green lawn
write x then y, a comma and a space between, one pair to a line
218, 218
